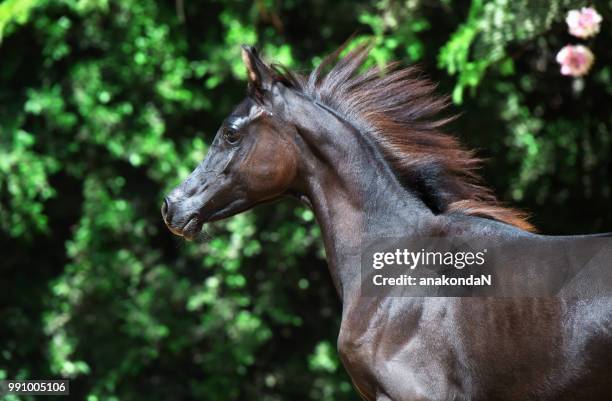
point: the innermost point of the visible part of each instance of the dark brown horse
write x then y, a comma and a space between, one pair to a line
365, 151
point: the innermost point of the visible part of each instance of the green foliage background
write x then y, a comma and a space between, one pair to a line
106, 105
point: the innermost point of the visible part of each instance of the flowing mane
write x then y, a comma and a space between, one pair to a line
399, 109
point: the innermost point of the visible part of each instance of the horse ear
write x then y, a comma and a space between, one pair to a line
260, 75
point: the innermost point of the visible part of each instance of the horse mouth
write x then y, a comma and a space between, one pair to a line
194, 224
190, 230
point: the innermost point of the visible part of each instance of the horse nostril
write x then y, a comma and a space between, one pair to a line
164, 209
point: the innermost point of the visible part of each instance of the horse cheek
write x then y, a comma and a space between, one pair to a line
269, 170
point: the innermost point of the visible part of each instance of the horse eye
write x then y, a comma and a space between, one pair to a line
231, 136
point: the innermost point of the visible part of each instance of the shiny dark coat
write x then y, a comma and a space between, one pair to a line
329, 139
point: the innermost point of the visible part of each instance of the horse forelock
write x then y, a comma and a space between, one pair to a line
398, 107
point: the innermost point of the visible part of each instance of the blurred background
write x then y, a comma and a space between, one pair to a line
106, 105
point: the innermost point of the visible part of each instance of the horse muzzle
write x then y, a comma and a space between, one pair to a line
183, 223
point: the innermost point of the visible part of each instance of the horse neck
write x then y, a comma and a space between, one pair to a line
354, 193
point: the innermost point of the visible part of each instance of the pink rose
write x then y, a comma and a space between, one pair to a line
583, 23
575, 60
